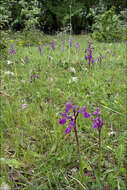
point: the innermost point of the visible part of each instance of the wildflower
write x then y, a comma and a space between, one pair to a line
39, 49
24, 106
53, 45
88, 55
32, 78
77, 45
12, 50
9, 62
83, 111
23, 81
70, 41
74, 79
72, 118
72, 69
97, 122
97, 112
20, 43
9, 73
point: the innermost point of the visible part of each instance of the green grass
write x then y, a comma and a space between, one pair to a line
35, 152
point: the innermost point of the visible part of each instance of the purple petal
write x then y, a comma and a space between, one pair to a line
68, 130
98, 109
86, 115
64, 114
95, 113
95, 125
68, 106
72, 123
84, 108
62, 121
69, 117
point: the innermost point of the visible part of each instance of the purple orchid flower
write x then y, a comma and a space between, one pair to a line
39, 49
72, 118
97, 122
89, 54
53, 45
97, 112
12, 50
70, 41
77, 45
32, 78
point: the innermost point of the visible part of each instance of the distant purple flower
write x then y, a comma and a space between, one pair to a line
77, 45
12, 50
68, 106
97, 122
53, 45
97, 112
32, 78
89, 55
70, 41
39, 49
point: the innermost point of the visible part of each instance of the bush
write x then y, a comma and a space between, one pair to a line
108, 27
32, 37
3, 44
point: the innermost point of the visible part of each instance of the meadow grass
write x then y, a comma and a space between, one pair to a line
35, 152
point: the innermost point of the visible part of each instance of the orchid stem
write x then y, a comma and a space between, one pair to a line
80, 159
100, 155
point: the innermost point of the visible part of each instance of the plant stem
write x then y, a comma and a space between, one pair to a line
100, 154
80, 159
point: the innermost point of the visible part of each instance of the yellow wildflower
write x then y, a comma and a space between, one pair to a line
20, 43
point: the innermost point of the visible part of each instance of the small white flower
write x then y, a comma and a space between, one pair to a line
74, 170
9, 73
5, 186
74, 79
23, 81
9, 62
72, 69
24, 106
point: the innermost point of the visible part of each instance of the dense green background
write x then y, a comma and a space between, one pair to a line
51, 16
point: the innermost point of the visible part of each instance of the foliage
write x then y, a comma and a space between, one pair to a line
50, 16
108, 27
3, 44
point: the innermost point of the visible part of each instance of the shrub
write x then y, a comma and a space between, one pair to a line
108, 27
3, 42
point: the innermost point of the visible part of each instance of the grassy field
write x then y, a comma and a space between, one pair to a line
36, 154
